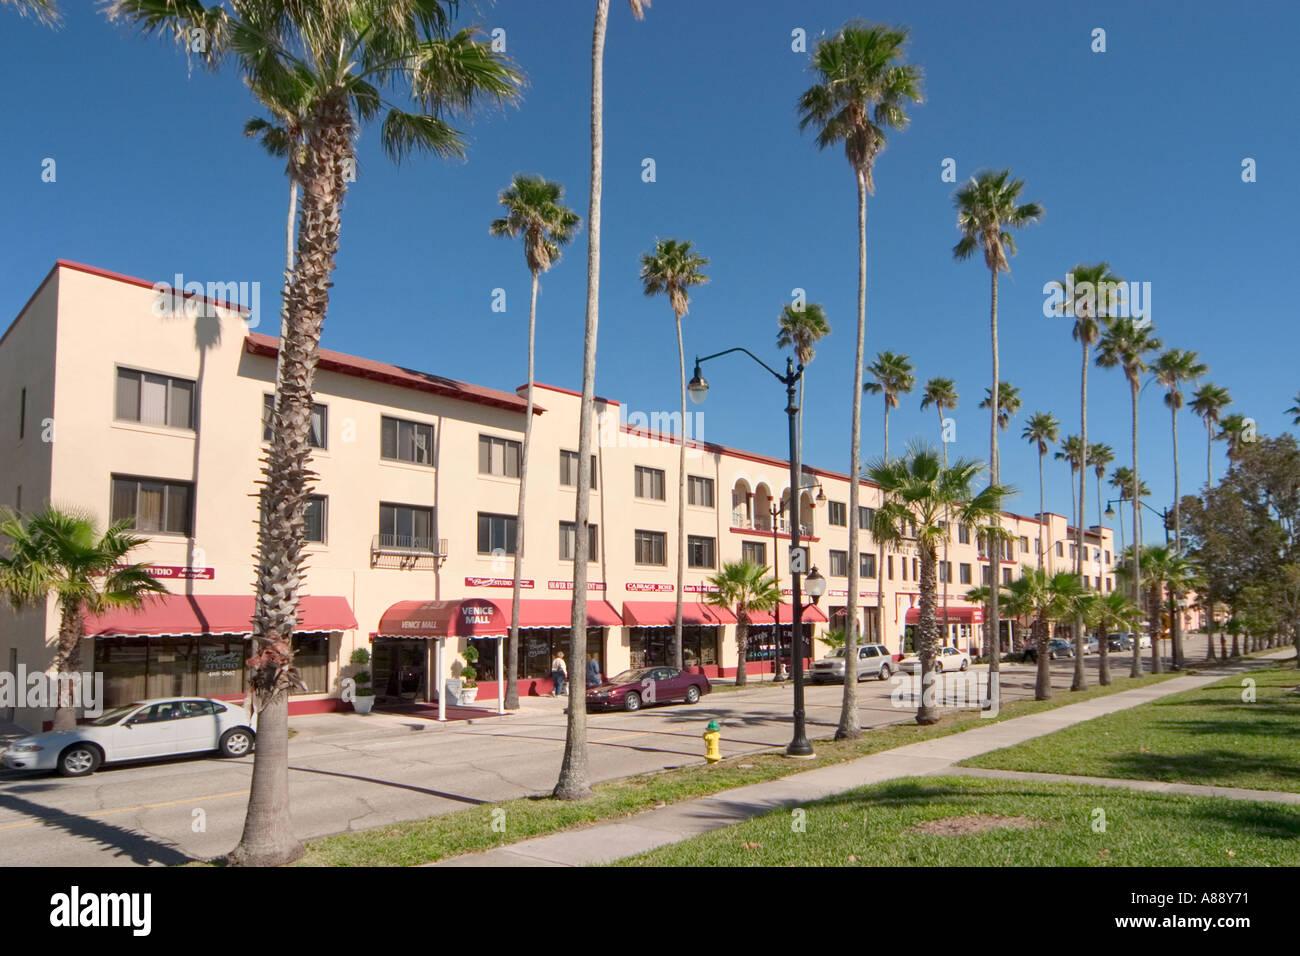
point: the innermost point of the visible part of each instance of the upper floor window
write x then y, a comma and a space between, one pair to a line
839, 564
499, 456
569, 541
400, 440
865, 517
496, 533
649, 483
866, 564
701, 551
963, 534
651, 547
963, 573
569, 469
164, 507
837, 514
154, 399
1024, 544
754, 552
699, 491
315, 519
316, 434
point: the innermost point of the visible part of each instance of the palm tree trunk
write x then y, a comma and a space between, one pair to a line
1043, 675
880, 546
927, 711
681, 503
1175, 618
268, 838
1080, 681
995, 556
511, 676
67, 661
1136, 669
574, 782
742, 652
1209, 627
850, 726
947, 628
1042, 507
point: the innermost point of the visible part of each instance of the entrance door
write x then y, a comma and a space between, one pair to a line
399, 671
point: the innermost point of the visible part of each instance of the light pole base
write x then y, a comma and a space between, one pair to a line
800, 750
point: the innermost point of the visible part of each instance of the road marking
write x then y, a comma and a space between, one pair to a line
109, 813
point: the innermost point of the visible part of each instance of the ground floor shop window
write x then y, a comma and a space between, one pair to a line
653, 646
137, 668
537, 648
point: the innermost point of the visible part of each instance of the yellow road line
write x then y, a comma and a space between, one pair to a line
109, 813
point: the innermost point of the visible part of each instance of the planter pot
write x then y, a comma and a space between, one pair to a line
363, 705
468, 695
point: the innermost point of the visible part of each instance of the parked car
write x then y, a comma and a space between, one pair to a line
947, 658
1119, 642
144, 730
1057, 647
1091, 646
874, 660
634, 688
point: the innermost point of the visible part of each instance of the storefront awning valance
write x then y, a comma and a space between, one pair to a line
664, 614
956, 615
484, 617
196, 615
810, 614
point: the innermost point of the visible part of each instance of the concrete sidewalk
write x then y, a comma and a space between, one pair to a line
604, 843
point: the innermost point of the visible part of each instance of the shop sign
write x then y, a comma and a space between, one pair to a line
568, 585
700, 588
641, 586
497, 583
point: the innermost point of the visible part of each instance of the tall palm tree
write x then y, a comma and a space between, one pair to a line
918, 494
893, 375
1167, 572
1127, 344
1097, 295
1100, 455
1294, 410
337, 57
800, 328
43, 11
574, 780
1072, 451
1233, 431
1109, 613
1173, 369
1041, 430
988, 208
535, 210
1122, 481
62, 555
672, 269
861, 89
1208, 402
942, 394
1008, 403
742, 587
1045, 597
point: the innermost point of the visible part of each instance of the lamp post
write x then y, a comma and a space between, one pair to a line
699, 389
776, 512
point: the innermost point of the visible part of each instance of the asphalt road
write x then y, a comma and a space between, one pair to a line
350, 772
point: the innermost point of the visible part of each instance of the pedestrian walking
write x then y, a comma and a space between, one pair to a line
558, 673
593, 671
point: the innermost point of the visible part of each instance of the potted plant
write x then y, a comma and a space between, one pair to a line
363, 696
469, 675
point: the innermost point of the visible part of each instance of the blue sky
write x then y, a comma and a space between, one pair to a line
1135, 153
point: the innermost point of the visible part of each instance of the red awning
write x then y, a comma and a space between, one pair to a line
959, 615
186, 615
485, 617
664, 614
812, 613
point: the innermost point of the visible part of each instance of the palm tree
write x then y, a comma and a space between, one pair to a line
800, 328
61, 555
1072, 451
918, 494
1045, 597
861, 89
1208, 402
1294, 410
1041, 429
1008, 403
43, 11
988, 208
741, 587
335, 57
1100, 455
1233, 432
1172, 370
1126, 344
672, 269
535, 210
1167, 573
942, 394
574, 782
893, 376
1122, 481
1110, 612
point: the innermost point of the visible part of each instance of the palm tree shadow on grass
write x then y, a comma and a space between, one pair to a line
1208, 767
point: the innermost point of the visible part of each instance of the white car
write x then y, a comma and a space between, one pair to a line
164, 727
946, 658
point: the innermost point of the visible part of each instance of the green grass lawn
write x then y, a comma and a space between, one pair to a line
1206, 736
414, 842
1057, 825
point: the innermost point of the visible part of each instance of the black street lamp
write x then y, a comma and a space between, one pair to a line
699, 389
1163, 513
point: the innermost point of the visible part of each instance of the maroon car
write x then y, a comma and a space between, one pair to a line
633, 689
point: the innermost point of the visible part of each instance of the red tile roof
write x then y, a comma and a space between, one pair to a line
257, 344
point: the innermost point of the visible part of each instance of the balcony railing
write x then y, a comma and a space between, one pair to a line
764, 523
407, 547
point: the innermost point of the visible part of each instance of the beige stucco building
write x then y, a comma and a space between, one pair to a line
127, 410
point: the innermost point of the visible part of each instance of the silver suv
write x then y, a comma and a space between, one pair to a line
874, 660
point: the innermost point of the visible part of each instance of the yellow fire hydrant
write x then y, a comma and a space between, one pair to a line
712, 742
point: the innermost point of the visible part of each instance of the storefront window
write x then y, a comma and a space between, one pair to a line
311, 657
221, 666
171, 669
122, 662
653, 646
537, 648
